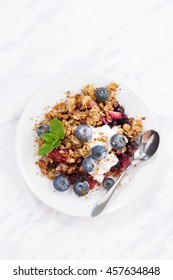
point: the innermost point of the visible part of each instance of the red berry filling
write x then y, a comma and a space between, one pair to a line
78, 106
92, 183
115, 115
58, 155
77, 176
82, 176
93, 103
124, 158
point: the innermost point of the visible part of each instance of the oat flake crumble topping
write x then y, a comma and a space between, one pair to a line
90, 118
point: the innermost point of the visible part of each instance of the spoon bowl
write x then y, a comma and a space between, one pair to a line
148, 144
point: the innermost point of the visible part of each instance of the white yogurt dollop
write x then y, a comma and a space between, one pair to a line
102, 136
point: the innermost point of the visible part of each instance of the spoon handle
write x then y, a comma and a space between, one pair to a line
101, 204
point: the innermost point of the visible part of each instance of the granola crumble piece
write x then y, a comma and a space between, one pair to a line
120, 130
112, 87
89, 90
62, 168
78, 98
99, 123
76, 142
108, 105
112, 100
62, 106
68, 145
86, 100
134, 129
137, 126
71, 104
39, 141
80, 115
43, 166
108, 117
65, 117
92, 121
71, 169
51, 175
85, 151
71, 160
62, 147
126, 127
95, 116
51, 114
79, 160
82, 101
131, 120
108, 108
69, 126
74, 154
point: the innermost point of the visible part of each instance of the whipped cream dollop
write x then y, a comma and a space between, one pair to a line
102, 136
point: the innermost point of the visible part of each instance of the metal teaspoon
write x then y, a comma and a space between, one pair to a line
148, 145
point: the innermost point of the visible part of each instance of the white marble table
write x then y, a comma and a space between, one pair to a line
41, 41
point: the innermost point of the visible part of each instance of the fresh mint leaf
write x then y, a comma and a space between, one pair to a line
57, 128
53, 138
49, 137
56, 143
45, 149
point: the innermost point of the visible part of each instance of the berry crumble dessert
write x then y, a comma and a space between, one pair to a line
86, 140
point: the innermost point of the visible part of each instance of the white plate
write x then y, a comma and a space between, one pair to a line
68, 202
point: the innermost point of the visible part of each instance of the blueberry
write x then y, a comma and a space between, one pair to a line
108, 183
83, 132
98, 152
81, 188
124, 120
61, 183
89, 164
102, 94
44, 128
119, 109
118, 141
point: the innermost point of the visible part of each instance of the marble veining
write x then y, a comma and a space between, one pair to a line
41, 41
